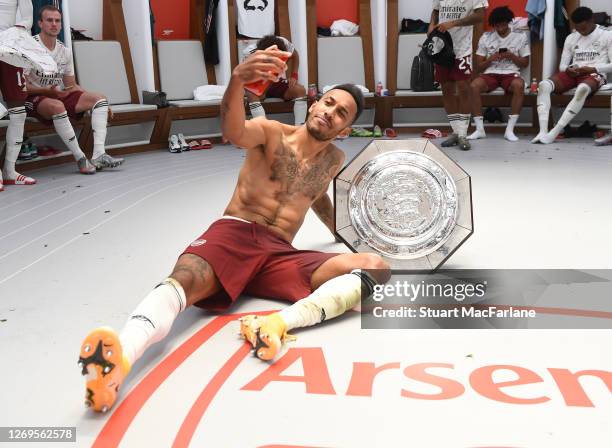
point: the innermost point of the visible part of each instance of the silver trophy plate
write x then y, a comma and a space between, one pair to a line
404, 200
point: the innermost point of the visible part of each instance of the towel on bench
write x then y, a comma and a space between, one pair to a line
209, 92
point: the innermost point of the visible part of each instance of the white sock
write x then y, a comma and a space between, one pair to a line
99, 118
300, 109
453, 120
575, 105
545, 88
14, 139
64, 129
152, 319
463, 124
479, 132
257, 110
331, 299
509, 134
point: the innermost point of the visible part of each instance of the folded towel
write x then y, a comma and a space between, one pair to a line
344, 28
209, 92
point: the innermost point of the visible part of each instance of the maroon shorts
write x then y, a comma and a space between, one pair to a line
12, 83
495, 80
247, 257
70, 101
277, 89
461, 71
567, 82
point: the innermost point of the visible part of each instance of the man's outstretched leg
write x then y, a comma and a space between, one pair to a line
336, 285
583, 90
106, 357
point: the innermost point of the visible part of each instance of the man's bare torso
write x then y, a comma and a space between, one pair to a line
279, 181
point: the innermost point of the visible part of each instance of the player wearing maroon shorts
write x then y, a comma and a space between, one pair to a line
499, 58
586, 58
287, 171
287, 87
13, 86
457, 17
55, 99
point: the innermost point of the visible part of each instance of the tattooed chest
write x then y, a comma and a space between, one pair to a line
295, 176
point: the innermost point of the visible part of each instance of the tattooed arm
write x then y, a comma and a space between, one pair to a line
260, 66
324, 209
323, 206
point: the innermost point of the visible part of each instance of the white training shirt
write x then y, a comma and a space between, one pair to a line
594, 50
62, 56
255, 17
8, 14
515, 42
454, 10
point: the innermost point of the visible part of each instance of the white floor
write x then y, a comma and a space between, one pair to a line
80, 251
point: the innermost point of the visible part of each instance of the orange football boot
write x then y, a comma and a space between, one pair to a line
104, 366
265, 333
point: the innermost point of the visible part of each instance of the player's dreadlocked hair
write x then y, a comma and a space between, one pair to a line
502, 14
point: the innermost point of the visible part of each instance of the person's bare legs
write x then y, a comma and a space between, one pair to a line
451, 106
478, 86
464, 105
517, 88
54, 110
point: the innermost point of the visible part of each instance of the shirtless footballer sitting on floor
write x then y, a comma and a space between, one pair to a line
287, 170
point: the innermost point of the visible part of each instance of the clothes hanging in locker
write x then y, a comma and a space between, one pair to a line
255, 17
211, 46
37, 6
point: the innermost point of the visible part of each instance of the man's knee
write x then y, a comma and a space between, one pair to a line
54, 107
517, 87
463, 88
299, 90
375, 265
196, 277
476, 86
448, 88
582, 91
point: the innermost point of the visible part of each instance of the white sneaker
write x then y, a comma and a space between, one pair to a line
184, 145
174, 145
537, 138
604, 141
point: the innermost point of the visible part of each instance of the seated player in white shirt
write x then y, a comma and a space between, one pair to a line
500, 56
53, 99
586, 58
13, 86
287, 87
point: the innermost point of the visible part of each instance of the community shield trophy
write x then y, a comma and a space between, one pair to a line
406, 201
